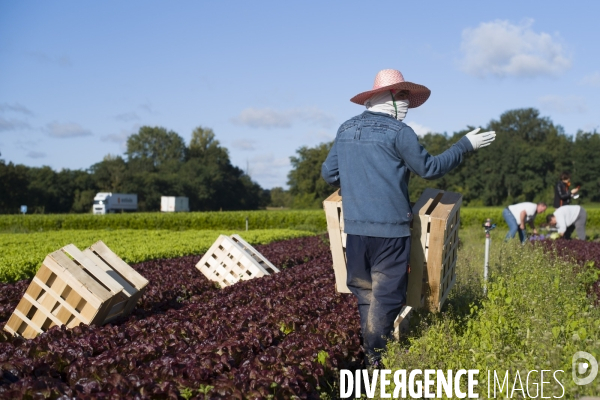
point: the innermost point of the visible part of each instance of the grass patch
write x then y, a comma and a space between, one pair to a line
536, 316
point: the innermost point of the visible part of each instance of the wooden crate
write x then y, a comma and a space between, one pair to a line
231, 259
434, 241
434, 248
94, 287
401, 323
337, 239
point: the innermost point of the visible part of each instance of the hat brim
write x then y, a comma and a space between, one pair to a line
418, 94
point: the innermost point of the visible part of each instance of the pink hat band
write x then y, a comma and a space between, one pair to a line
391, 79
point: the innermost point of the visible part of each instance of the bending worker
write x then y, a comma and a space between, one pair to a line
517, 215
568, 219
371, 160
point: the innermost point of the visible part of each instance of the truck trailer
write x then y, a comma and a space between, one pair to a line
174, 204
105, 203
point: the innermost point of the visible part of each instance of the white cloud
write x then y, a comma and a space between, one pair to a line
321, 135
563, 104
263, 118
502, 49
420, 130
12, 124
16, 107
270, 118
269, 170
127, 117
36, 154
244, 144
121, 137
591, 80
66, 130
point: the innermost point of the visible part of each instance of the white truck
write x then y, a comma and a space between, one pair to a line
174, 204
105, 203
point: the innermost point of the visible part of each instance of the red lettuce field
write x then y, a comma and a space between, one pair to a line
281, 336
582, 252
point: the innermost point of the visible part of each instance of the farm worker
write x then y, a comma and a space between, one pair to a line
567, 219
562, 194
371, 160
517, 215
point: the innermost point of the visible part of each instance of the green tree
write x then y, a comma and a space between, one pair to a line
157, 163
84, 190
155, 146
14, 181
586, 168
306, 185
280, 198
205, 147
521, 165
110, 174
154, 159
212, 182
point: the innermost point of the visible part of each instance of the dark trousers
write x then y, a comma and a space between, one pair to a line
378, 277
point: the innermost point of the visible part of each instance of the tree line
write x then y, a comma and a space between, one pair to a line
523, 164
157, 163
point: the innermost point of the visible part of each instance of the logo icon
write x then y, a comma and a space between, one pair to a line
581, 368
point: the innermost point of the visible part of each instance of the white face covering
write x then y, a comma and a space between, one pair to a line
384, 103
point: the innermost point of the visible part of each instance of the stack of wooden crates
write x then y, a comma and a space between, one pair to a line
434, 246
93, 286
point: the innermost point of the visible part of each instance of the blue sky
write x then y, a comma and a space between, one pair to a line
76, 78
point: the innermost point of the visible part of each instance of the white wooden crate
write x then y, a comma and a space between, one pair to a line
231, 259
266, 264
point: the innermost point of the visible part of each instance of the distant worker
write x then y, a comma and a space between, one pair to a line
568, 219
517, 215
562, 194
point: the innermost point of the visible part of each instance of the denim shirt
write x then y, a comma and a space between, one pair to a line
371, 160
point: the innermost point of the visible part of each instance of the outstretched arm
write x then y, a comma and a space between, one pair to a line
427, 166
424, 164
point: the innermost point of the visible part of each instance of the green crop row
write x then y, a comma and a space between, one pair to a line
22, 253
309, 220
536, 316
313, 220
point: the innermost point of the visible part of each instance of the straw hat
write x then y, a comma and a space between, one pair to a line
391, 79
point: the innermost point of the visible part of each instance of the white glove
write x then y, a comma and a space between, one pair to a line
481, 140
